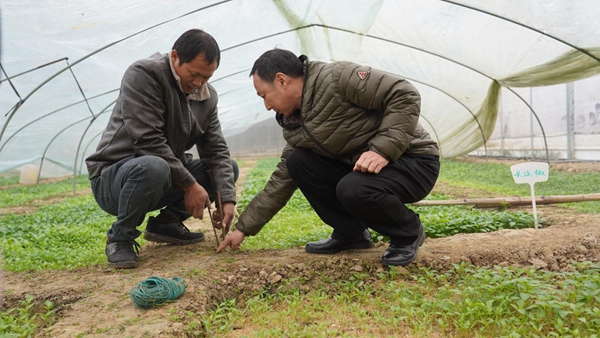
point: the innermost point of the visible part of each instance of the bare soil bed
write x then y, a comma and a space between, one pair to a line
95, 301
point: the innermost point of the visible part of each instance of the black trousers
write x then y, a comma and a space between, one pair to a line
350, 201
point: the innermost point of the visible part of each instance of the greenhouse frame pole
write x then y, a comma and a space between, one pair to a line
538, 120
570, 121
436, 135
81, 141
51, 113
32, 69
531, 123
85, 150
502, 134
50, 143
457, 101
581, 50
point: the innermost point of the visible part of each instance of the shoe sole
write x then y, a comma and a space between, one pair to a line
124, 265
353, 246
408, 261
158, 238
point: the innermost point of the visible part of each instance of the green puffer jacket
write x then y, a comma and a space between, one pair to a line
347, 109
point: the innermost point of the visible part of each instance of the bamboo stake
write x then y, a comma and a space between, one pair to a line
212, 221
225, 230
512, 201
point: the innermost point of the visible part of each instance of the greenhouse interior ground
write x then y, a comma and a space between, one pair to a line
502, 83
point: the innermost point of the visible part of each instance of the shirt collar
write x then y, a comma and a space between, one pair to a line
199, 94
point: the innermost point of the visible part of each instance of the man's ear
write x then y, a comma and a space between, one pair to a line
280, 80
174, 56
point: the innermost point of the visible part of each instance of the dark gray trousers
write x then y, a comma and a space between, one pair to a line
351, 201
131, 188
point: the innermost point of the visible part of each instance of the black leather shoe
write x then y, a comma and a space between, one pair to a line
162, 230
403, 255
331, 246
122, 255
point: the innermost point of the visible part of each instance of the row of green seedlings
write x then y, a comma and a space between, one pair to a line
464, 301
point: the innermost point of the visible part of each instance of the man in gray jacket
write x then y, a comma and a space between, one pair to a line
165, 107
355, 149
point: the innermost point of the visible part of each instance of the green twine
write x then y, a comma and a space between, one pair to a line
155, 291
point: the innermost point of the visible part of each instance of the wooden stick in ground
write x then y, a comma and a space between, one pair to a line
212, 222
220, 208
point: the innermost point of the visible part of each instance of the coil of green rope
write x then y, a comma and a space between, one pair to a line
156, 291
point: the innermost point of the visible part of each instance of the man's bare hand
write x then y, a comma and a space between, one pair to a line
370, 162
234, 240
225, 223
196, 199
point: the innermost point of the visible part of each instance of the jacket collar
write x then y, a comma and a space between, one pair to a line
289, 122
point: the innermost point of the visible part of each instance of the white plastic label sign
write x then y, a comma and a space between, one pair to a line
530, 172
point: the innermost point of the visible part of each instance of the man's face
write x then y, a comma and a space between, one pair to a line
193, 74
277, 95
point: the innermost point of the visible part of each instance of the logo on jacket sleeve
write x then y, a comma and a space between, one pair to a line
362, 75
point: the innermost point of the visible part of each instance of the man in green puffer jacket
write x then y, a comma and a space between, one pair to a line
355, 149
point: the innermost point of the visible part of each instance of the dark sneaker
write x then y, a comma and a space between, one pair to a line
403, 255
332, 246
122, 255
170, 231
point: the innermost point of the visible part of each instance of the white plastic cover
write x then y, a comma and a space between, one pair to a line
461, 55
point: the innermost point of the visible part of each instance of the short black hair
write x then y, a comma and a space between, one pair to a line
275, 61
195, 42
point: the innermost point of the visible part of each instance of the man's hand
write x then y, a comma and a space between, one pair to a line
234, 240
370, 162
225, 223
196, 199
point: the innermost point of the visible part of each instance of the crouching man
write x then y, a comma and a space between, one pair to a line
164, 108
354, 148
